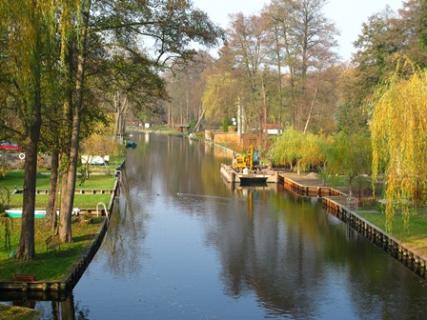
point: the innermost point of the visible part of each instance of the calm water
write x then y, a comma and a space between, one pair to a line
184, 245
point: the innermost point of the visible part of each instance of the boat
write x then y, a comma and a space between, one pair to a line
17, 213
130, 144
38, 214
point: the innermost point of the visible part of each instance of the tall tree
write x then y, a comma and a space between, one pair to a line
399, 154
185, 85
27, 36
125, 25
246, 39
304, 38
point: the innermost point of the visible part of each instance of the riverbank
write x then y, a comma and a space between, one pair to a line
59, 267
407, 247
48, 265
414, 235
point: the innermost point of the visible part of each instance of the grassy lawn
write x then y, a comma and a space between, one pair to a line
15, 179
360, 184
48, 265
415, 235
17, 313
109, 169
52, 264
87, 201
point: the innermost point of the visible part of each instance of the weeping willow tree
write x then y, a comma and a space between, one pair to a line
35, 37
399, 142
298, 150
27, 35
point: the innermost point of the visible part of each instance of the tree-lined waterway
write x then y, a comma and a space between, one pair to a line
184, 245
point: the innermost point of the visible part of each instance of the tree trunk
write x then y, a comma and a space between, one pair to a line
279, 71
199, 121
69, 183
53, 191
26, 249
121, 107
299, 167
264, 112
310, 111
68, 188
350, 189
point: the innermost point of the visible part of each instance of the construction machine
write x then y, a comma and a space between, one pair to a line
250, 160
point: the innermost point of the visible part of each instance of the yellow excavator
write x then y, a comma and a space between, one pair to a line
241, 162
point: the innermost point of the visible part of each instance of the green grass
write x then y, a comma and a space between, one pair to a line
87, 201
361, 185
414, 235
51, 265
17, 313
96, 182
109, 169
15, 179
47, 265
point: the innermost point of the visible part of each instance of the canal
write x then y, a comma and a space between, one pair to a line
184, 245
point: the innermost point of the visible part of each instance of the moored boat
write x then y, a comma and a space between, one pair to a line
38, 214
17, 213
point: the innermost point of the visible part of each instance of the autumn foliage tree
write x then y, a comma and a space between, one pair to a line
399, 141
52, 55
297, 150
27, 44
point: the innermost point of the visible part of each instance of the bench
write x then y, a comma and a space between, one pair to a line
24, 277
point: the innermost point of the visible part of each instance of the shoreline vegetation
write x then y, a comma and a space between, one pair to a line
49, 264
53, 262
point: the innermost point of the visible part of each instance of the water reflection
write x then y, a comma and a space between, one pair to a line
50, 307
184, 245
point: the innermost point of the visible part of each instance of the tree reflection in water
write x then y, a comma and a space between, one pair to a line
49, 307
183, 241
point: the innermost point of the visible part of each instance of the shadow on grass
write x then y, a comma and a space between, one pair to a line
84, 237
48, 265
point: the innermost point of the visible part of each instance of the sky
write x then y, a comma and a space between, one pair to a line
348, 15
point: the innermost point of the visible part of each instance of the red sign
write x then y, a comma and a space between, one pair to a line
6, 146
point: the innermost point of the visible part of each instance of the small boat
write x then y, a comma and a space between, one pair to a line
17, 213
130, 144
38, 214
